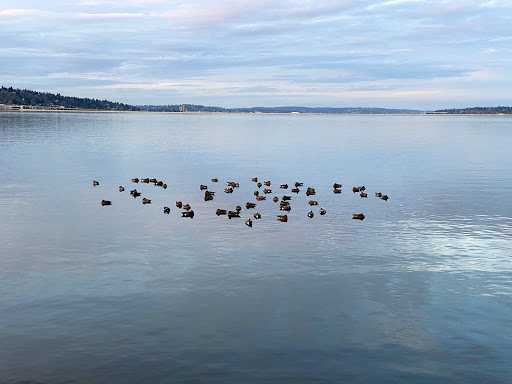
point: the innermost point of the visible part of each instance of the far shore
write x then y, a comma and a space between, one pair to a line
20, 109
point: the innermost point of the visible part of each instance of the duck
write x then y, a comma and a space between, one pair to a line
95, 183
228, 190
220, 212
284, 186
179, 204
248, 222
255, 179
238, 208
187, 214
145, 180
167, 210
336, 190
384, 197
121, 188
310, 214
146, 201
135, 180
159, 183
257, 215
186, 207
106, 202
259, 198
233, 214
284, 203
267, 183
286, 198
310, 191
250, 205
209, 193
358, 216
215, 180
336, 185
259, 185
135, 193
287, 208
322, 211
362, 194
256, 193
164, 186
267, 190
208, 197
275, 199
283, 218
153, 180
355, 189
203, 187
312, 202
297, 184
378, 194
295, 190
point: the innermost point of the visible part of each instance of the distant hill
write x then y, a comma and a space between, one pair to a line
478, 111
202, 108
25, 97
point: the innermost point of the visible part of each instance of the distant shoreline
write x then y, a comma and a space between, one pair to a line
73, 110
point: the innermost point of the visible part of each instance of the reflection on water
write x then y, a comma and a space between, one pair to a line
419, 291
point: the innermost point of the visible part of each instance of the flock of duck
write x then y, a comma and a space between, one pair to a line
284, 202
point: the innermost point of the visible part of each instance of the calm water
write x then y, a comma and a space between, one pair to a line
418, 292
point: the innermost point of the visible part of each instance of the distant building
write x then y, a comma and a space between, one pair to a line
183, 108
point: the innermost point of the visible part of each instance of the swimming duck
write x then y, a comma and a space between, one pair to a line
215, 180
95, 183
267, 183
295, 190
283, 218
121, 188
167, 210
256, 193
238, 208
358, 216
297, 184
248, 222
145, 180
179, 204
284, 203
336, 185
186, 207
220, 212
362, 194
135, 193
312, 202
233, 214
146, 201
153, 180
164, 186
275, 199
259, 185
267, 190
286, 208
259, 198
257, 215
355, 189
250, 205
384, 197
284, 186
336, 190
311, 214
228, 190
106, 202
378, 194
322, 211
209, 193
135, 180
203, 187
187, 214
208, 197
159, 183
255, 179
286, 198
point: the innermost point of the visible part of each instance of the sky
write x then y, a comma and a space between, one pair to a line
244, 53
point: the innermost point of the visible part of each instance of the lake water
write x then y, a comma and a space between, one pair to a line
420, 291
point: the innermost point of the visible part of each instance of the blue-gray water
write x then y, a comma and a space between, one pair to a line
418, 292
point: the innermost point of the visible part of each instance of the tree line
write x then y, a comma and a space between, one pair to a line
25, 97
478, 110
